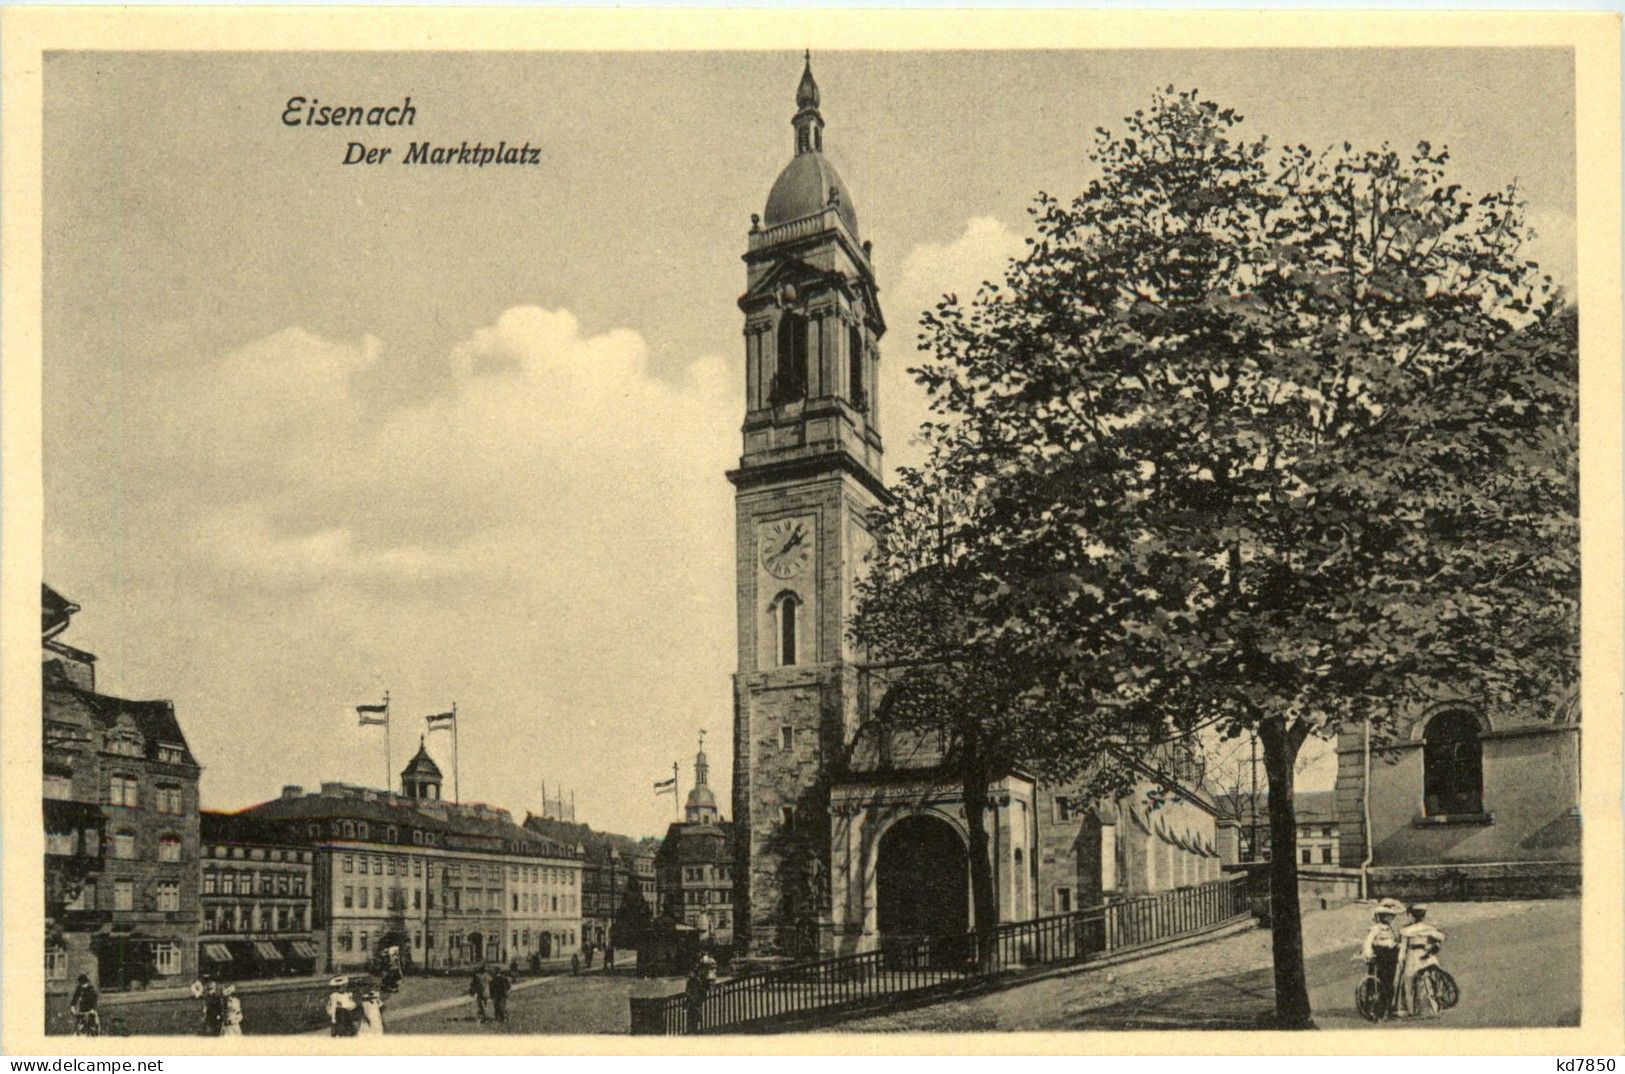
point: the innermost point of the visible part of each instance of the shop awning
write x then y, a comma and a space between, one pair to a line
216, 952
267, 950
303, 949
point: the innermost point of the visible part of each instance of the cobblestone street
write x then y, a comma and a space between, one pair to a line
1517, 963
585, 1004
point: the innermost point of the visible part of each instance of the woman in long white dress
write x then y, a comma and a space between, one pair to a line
232, 1025
371, 1022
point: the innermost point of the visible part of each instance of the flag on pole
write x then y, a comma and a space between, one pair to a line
666, 786
441, 720
365, 713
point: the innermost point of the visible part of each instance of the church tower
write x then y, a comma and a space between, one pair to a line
808, 479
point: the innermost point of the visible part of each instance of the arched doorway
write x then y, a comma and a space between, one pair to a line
922, 885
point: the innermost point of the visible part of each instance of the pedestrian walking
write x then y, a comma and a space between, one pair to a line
695, 991
341, 1008
231, 1023
575, 963
479, 986
501, 985
87, 1021
371, 1020
214, 1010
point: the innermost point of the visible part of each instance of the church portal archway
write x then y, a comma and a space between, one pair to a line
922, 880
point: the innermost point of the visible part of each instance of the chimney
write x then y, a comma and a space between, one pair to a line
292, 790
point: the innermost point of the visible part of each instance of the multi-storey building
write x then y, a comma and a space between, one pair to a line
446, 884
1317, 830
121, 827
611, 863
257, 894
694, 867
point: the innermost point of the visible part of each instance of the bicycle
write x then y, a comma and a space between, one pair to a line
1368, 996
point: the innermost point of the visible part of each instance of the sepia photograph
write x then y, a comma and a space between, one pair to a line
939, 541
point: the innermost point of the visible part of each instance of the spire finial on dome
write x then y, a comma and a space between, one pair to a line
808, 123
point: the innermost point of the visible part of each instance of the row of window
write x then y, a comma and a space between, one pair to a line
698, 872
719, 920
388, 865
122, 842
226, 882
363, 940
364, 898
790, 365
166, 959
258, 853
162, 895
706, 896
251, 918
123, 790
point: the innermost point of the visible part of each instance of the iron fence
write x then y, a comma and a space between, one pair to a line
917, 965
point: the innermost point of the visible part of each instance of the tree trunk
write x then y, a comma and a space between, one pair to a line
1286, 922
984, 909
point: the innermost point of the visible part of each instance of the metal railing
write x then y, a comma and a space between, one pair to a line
915, 966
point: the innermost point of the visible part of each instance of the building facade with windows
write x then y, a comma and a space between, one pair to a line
121, 827
448, 885
257, 895
1319, 835
1467, 797
694, 867
609, 865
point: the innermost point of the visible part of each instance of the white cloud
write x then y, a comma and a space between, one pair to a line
930, 271
548, 542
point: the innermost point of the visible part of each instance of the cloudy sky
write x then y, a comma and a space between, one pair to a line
315, 431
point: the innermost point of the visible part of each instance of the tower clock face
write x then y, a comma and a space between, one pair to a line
786, 547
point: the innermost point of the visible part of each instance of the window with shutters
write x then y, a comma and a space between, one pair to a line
168, 895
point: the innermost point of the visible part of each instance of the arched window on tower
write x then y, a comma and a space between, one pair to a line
789, 615
790, 378
1452, 765
855, 362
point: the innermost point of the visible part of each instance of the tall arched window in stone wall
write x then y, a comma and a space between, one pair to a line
1452, 765
790, 374
789, 614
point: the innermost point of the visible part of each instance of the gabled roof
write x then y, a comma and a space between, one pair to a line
598, 844
404, 813
697, 843
155, 720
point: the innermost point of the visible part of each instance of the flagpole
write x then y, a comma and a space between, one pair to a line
389, 769
676, 789
456, 759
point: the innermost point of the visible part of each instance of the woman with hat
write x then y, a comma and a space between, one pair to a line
1420, 942
232, 1025
1381, 950
370, 1022
341, 1008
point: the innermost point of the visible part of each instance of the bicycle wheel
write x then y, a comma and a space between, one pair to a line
1368, 999
1444, 987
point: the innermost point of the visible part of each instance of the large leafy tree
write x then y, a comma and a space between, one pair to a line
1251, 441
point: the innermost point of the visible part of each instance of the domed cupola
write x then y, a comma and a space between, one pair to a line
420, 779
809, 183
701, 807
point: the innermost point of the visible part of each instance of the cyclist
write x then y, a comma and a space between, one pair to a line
86, 1021
1381, 951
